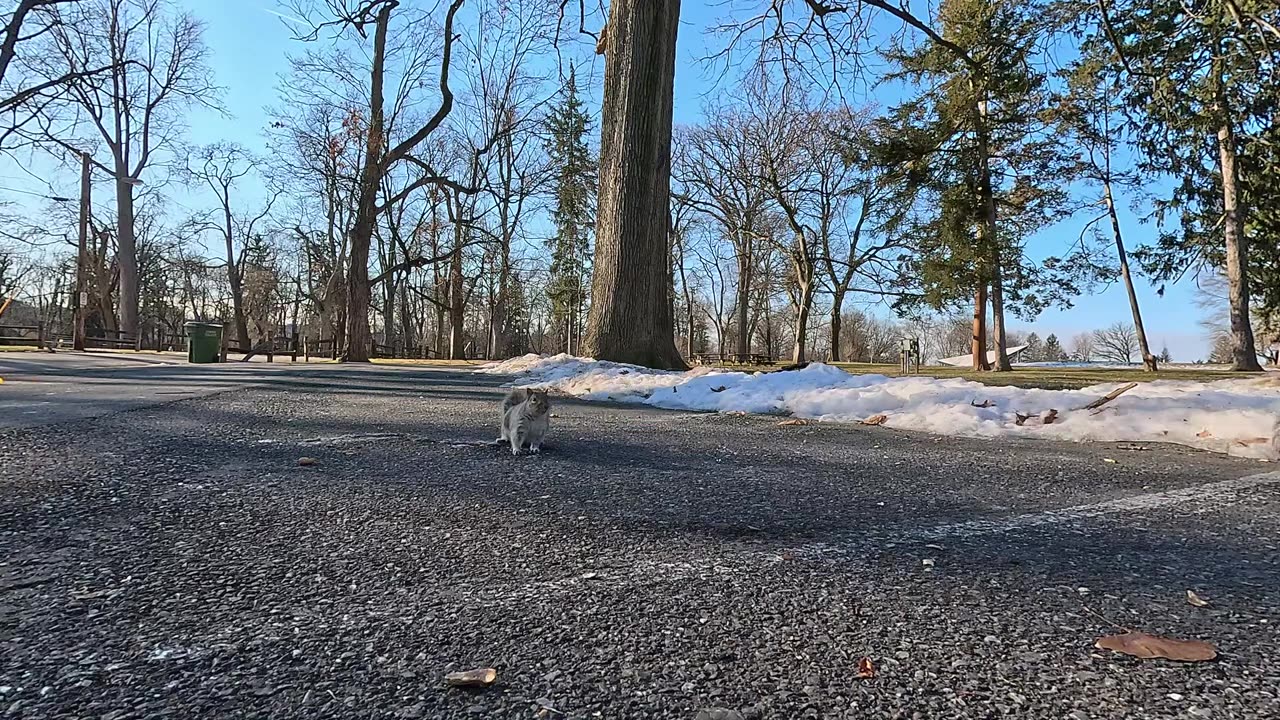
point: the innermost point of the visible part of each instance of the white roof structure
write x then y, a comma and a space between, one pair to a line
967, 360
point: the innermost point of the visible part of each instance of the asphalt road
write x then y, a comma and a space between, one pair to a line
174, 560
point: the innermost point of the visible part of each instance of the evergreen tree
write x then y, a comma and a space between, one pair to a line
1034, 351
1053, 351
1165, 357
568, 127
975, 152
1200, 86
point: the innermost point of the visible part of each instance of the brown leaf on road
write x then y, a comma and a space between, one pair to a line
866, 670
479, 677
1144, 646
794, 421
306, 461
1050, 417
875, 420
1194, 599
1253, 441
1020, 419
1204, 434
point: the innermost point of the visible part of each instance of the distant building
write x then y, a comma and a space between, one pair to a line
967, 360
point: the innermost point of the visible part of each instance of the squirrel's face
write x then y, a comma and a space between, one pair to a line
539, 401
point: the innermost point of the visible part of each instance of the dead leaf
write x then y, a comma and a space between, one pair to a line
306, 461
1253, 441
479, 677
1204, 434
1195, 599
983, 404
1020, 419
875, 420
719, 388
1108, 460
1144, 646
794, 421
1050, 417
866, 670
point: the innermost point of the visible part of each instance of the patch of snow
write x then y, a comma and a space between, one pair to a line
1237, 416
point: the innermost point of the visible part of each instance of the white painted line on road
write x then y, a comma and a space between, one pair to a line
1211, 495
1206, 498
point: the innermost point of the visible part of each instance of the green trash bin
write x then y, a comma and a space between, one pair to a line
204, 342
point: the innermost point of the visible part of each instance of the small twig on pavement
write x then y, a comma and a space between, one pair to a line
1104, 619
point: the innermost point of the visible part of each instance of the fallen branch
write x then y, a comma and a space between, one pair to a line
1109, 396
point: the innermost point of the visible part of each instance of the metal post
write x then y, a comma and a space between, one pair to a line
82, 292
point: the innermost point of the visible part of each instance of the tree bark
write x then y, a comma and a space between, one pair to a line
989, 241
233, 279
979, 343
357, 340
457, 299
997, 317
630, 318
744, 303
1148, 360
837, 322
804, 306
501, 346
1244, 353
127, 254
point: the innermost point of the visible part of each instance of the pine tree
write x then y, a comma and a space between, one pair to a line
1199, 81
1034, 351
973, 144
575, 191
1053, 351
1165, 357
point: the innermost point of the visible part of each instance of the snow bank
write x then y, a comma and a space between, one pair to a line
1237, 417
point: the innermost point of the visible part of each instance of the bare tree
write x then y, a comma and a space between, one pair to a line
718, 169
30, 76
1116, 343
158, 69
1081, 347
220, 167
382, 151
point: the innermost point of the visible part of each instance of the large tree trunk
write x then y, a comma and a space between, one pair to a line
803, 308
997, 317
630, 318
127, 254
1244, 353
989, 241
1148, 360
979, 340
358, 339
744, 304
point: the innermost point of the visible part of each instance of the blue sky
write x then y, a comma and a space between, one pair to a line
250, 47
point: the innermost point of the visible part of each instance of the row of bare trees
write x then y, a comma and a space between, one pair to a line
428, 180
